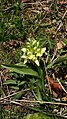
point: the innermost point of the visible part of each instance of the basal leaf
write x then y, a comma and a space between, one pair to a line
10, 82
14, 87
40, 116
21, 83
21, 69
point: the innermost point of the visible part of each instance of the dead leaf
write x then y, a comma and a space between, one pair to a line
64, 99
59, 45
14, 43
55, 86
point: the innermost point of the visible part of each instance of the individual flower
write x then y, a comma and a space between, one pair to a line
23, 49
43, 50
37, 62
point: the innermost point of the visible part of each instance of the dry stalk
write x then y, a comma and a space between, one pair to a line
41, 102
62, 86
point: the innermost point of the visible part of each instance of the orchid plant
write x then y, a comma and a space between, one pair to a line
31, 52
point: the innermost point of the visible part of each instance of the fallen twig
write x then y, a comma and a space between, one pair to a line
62, 86
35, 101
17, 103
41, 102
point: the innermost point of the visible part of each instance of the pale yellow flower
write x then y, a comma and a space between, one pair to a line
23, 49
43, 50
37, 62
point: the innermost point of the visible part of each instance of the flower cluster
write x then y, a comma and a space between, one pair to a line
32, 51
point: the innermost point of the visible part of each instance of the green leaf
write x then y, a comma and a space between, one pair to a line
39, 95
21, 83
49, 66
57, 61
60, 59
18, 95
10, 82
21, 69
65, 41
51, 43
20, 64
40, 116
2, 92
14, 87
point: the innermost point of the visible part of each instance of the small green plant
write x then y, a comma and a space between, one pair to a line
32, 54
41, 116
30, 68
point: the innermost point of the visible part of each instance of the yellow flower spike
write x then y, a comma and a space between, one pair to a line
32, 51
